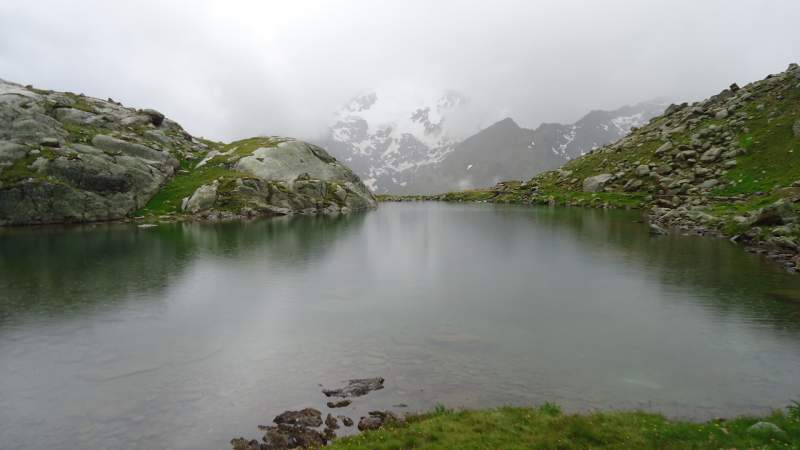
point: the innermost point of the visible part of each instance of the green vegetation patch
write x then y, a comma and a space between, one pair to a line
547, 428
773, 152
168, 199
21, 169
239, 149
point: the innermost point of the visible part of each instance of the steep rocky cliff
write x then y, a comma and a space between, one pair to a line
71, 158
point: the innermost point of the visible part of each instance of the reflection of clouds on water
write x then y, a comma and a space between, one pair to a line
185, 335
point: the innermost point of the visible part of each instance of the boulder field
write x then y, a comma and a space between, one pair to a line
69, 158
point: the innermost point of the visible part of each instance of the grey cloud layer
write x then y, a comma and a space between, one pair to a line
233, 69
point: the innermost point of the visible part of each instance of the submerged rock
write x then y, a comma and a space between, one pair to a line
339, 404
356, 388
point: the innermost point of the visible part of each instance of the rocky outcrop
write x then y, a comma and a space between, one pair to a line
71, 158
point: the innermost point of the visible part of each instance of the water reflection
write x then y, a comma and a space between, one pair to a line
712, 269
183, 336
59, 271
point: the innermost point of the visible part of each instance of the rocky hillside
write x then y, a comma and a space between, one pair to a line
728, 165
71, 158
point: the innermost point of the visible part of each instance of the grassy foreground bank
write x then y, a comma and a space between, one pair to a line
547, 428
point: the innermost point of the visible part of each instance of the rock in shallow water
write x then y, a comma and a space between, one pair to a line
356, 388
339, 404
346, 421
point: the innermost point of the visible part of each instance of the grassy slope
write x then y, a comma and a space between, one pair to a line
546, 428
189, 178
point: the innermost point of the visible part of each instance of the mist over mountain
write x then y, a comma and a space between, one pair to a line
438, 144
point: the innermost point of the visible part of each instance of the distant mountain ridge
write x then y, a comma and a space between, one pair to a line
419, 153
382, 144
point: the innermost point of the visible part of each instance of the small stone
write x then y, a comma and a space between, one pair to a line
665, 147
711, 154
50, 142
346, 421
721, 114
339, 404
796, 129
331, 422
765, 427
708, 184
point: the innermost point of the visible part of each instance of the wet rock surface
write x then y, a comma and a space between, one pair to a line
356, 388
300, 428
376, 419
339, 404
308, 417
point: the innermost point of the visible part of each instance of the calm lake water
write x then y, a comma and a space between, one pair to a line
184, 336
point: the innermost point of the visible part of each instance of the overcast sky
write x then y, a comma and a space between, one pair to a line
232, 69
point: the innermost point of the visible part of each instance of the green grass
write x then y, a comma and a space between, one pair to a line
21, 170
546, 428
773, 153
168, 199
244, 147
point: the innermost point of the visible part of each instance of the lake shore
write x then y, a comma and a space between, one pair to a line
547, 427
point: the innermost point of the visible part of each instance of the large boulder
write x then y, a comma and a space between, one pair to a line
303, 166
597, 182
202, 199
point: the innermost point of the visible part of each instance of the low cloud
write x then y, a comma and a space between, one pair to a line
234, 69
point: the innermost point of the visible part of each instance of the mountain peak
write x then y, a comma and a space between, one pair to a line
507, 123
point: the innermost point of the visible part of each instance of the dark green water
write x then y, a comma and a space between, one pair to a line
184, 336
